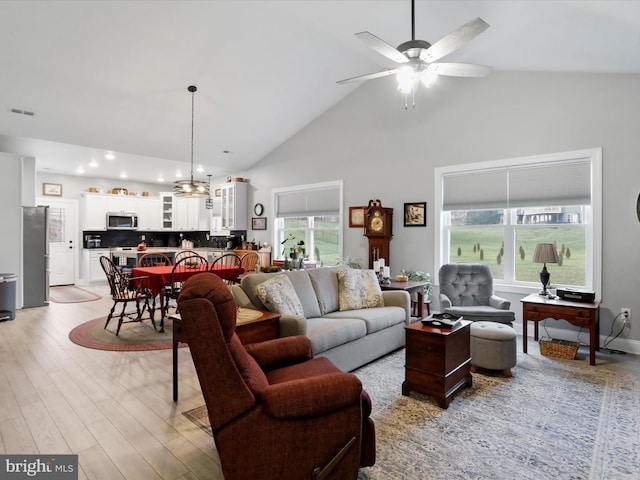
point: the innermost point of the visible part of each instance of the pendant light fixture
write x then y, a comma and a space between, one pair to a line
191, 187
208, 203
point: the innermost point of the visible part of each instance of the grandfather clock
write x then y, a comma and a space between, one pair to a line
377, 228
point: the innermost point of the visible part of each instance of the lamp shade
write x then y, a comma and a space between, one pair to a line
546, 253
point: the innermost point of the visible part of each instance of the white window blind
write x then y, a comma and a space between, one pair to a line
311, 202
482, 189
541, 184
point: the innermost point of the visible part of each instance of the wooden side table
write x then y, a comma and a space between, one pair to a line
251, 329
411, 287
438, 361
586, 315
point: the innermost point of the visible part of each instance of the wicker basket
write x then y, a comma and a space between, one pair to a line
552, 347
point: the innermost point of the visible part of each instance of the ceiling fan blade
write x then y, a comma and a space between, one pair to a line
454, 40
369, 76
382, 47
460, 69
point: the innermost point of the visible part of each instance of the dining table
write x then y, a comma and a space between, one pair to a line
158, 277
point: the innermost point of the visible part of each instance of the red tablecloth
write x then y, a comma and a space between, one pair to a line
158, 277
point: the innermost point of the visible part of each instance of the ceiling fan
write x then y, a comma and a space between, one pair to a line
417, 57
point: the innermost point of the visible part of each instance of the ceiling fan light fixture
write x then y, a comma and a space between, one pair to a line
406, 77
428, 78
191, 187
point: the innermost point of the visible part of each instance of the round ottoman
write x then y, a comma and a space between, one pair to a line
493, 346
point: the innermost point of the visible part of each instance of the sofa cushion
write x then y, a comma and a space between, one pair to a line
375, 319
326, 333
358, 289
325, 284
304, 289
301, 284
278, 295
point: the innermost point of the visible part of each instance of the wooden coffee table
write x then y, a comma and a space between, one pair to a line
438, 361
252, 326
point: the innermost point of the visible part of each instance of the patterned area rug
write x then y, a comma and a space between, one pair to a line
553, 420
137, 336
71, 294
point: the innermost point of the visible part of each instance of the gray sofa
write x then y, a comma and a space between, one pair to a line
349, 338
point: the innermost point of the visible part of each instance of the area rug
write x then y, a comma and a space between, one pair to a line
553, 420
137, 336
71, 294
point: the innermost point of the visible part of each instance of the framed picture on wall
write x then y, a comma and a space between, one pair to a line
356, 216
415, 214
258, 223
52, 189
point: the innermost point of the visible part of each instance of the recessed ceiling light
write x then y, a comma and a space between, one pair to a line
109, 156
93, 164
123, 175
178, 174
200, 169
80, 170
160, 179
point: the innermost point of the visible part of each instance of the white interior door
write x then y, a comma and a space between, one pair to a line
62, 241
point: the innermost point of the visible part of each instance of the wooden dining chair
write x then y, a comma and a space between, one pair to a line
185, 253
154, 259
249, 261
124, 290
184, 264
227, 260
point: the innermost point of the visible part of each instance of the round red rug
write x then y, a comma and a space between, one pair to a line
137, 336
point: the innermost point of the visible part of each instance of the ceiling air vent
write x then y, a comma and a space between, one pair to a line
22, 112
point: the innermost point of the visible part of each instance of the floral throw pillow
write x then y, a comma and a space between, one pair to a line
358, 289
278, 295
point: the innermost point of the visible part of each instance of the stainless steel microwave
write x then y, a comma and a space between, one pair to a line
122, 221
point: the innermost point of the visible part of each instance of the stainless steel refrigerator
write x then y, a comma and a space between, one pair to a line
35, 258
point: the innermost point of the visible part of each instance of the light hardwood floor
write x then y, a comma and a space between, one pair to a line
114, 409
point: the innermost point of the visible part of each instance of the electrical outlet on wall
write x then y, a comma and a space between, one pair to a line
625, 313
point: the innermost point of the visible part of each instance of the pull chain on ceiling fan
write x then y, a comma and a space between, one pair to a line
417, 57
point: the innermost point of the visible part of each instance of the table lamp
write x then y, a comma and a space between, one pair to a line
545, 253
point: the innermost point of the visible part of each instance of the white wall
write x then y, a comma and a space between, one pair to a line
11, 197
382, 151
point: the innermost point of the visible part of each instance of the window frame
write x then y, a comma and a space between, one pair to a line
278, 222
593, 242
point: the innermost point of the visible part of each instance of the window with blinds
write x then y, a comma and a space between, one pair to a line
311, 214
496, 212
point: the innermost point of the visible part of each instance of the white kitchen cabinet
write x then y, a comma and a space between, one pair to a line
167, 210
95, 212
190, 214
150, 214
234, 205
93, 272
122, 203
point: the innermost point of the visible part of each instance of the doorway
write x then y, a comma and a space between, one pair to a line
63, 235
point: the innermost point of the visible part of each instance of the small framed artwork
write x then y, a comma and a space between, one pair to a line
356, 216
217, 192
415, 214
258, 223
52, 189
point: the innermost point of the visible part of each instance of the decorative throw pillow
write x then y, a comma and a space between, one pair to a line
358, 289
278, 295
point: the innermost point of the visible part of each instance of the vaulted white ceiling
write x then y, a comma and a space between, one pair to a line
112, 76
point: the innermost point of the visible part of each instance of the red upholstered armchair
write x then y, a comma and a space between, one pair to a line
276, 412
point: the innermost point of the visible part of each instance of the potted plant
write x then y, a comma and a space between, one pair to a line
418, 276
